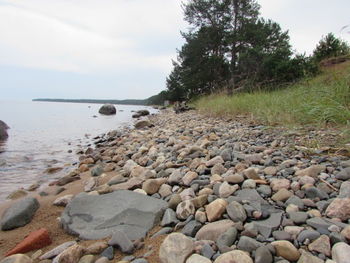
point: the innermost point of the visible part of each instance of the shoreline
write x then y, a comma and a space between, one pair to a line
177, 142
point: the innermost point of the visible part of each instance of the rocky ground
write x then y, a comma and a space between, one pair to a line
189, 188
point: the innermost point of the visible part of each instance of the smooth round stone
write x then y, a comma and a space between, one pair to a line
236, 212
286, 250
248, 244
226, 239
263, 255
185, 209
195, 258
17, 258
264, 190
234, 178
234, 256
298, 217
308, 234
215, 209
191, 228
341, 252
249, 184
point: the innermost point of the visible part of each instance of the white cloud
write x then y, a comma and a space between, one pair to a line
307, 21
88, 36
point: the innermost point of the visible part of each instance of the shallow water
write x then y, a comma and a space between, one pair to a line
41, 135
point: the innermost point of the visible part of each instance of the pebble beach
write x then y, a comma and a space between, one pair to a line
188, 188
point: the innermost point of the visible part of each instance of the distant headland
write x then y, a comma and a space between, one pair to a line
121, 102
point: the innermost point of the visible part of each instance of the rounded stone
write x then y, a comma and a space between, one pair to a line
215, 209
185, 209
236, 212
340, 252
286, 250
235, 256
195, 258
17, 258
175, 248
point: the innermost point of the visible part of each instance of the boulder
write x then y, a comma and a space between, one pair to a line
3, 130
107, 109
19, 214
96, 217
142, 124
140, 113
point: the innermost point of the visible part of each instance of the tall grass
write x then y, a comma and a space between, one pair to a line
321, 100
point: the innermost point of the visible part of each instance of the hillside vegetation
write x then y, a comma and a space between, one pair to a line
322, 100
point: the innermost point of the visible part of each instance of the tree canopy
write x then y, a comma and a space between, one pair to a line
230, 48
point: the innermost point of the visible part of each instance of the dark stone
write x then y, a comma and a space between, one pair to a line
19, 214
96, 171
250, 195
108, 253
163, 231
263, 255
336, 238
225, 240
295, 201
120, 239
264, 190
313, 192
308, 234
236, 212
191, 228
282, 235
298, 217
265, 227
319, 223
3, 131
248, 244
107, 109
207, 251
67, 179
343, 174
139, 260
169, 218
140, 113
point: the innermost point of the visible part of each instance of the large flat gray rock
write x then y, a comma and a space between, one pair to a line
19, 214
96, 217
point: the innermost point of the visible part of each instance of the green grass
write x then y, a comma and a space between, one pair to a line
323, 100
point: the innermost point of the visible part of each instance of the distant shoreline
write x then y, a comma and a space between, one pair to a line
120, 102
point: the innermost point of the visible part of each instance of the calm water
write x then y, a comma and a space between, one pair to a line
42, 133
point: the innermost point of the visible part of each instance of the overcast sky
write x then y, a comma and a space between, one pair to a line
118, 49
